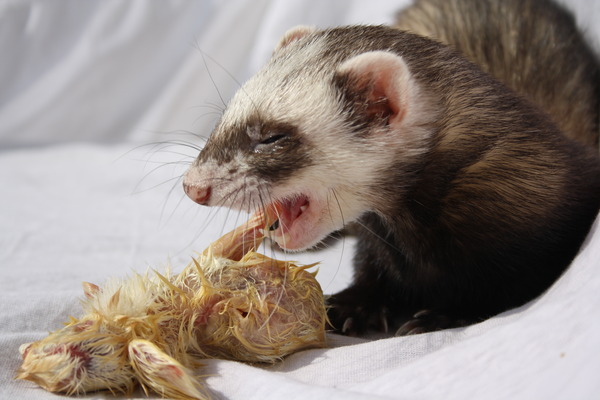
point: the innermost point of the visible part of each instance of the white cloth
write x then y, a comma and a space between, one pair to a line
84, 82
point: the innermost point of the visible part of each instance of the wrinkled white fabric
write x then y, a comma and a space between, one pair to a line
85, 82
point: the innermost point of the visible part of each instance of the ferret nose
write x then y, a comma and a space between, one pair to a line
200, 195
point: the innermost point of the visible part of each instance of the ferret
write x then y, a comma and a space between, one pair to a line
469, 191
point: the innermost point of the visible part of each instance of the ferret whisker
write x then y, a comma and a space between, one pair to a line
215, 115
277, 214
204, 56
210, 106
226, 201
162, 146
285, 277
244, 205
161, 164
233, 78
169, 194
215, 107
157, 146
185, 158
137, 190
376, 235
186, 133
263, 205
342, 237
207, 220
155, 169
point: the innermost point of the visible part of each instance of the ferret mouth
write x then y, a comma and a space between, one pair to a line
292, 216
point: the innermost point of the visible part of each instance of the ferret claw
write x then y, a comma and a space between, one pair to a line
429, 321
347, 327
383, 319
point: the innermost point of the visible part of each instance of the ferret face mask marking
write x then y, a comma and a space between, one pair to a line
306, 138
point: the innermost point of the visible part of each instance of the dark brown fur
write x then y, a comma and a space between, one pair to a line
532, 46
488, 219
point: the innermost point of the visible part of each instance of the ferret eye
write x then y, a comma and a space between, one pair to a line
269, 143
272, 139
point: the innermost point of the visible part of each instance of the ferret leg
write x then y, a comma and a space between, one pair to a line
355, 311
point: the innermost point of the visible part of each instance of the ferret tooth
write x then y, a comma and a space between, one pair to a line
302, 208
281, 238
274, 226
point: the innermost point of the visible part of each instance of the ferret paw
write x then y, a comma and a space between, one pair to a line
430, 321
349, 316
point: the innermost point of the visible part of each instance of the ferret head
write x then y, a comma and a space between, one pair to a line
311, 136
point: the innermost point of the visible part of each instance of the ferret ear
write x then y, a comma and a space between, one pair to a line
378, 86
163, 374
294, 34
